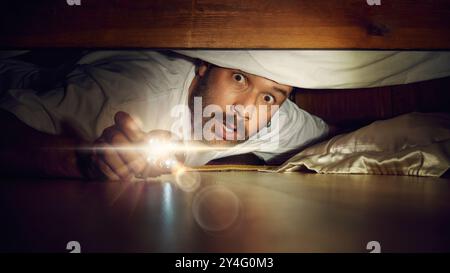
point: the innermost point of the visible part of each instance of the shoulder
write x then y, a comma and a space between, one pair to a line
126, 75
148, 70
294, 120
292, 128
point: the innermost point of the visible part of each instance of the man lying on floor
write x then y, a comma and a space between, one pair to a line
116, 99
111, 114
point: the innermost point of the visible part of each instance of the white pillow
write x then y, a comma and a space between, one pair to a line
411, 144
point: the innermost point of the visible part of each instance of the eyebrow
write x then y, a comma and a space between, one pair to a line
279, 90
276, 89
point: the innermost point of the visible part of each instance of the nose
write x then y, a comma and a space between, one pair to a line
245, 106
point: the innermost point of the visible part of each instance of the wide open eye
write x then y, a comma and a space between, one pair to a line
269, 99
238, 77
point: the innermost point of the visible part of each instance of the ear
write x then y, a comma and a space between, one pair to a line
202, 68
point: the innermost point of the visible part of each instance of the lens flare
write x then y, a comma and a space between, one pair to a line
161, 154
187, 180
215, 208
160, 147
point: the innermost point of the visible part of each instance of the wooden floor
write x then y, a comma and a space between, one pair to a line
228, 212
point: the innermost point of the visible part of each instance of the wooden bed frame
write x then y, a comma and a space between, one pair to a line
353, 108
318, 24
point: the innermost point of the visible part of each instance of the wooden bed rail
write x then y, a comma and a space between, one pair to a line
306, 24
353, 108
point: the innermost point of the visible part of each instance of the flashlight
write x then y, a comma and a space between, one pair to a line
163, 152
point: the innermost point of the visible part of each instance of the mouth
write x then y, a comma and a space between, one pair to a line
229, 127
226, 131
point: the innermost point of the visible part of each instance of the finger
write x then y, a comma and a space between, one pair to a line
138, 165
128, 126
153, 170
101, 166
113, 160
108, 134
115, 137
134, 159
107, 171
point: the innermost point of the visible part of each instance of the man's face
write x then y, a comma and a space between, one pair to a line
247, 102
